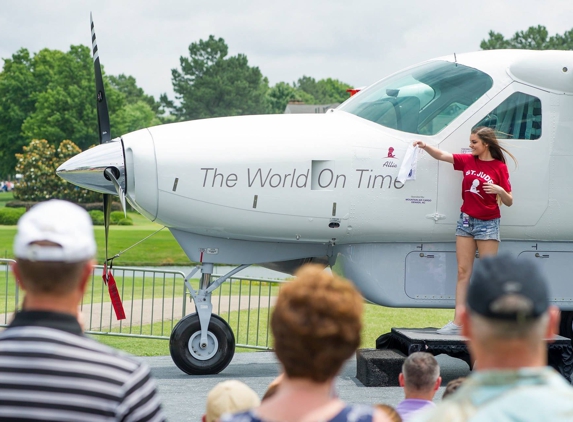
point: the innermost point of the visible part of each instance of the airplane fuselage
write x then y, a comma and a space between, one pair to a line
259, 189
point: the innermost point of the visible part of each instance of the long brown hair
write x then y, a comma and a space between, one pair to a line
487, 136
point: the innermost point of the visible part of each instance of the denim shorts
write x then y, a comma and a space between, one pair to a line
478, 229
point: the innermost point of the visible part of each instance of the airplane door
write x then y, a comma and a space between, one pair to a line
524, 114
381, 204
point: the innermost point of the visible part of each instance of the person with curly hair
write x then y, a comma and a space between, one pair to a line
316, 326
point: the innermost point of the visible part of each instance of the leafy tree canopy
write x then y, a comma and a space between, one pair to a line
307, 90
279, 96
535, 38
324, 91
210, 84
133, 94
51, 96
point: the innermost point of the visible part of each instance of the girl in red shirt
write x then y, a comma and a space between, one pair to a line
485, 186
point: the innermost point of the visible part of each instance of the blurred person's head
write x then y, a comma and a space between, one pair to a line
452, 386
316, 324
54, 249
420, 376
507, 309
389, 411
230, 396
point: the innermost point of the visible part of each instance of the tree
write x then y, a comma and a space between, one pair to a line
133, 117
51, 96
535, 38
308, 91
38, 164
17, 92
279, 96
133, 94
324, 91
210, 84
65, 108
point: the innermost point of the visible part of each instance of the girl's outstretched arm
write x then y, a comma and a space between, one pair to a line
436, 153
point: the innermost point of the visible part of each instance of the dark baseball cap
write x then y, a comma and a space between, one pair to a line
504, 287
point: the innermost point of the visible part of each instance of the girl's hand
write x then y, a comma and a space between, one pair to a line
419, 144
492, 189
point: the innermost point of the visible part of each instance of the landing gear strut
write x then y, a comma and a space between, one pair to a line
203, 343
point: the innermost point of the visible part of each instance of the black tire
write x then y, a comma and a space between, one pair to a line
213, 361
566, 324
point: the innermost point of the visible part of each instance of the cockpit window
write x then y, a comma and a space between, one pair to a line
423, 99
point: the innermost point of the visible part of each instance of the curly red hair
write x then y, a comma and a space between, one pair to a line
316, 324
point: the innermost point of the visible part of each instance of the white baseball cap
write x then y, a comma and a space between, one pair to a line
60, 222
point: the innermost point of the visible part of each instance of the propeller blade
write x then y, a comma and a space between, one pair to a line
104, 137
102, 111
111, 176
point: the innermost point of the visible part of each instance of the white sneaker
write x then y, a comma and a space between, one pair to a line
450, 329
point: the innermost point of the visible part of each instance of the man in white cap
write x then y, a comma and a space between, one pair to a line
49, 370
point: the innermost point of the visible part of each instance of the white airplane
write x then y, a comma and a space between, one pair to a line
283, 190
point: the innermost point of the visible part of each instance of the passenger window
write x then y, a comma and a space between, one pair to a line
518, 117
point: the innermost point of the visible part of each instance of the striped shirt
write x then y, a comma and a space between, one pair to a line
49, 371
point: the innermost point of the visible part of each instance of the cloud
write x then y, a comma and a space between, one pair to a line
357, 42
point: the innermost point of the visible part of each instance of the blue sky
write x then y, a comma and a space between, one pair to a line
358, 42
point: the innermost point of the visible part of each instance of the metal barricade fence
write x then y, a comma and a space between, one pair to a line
155, 300
9, 289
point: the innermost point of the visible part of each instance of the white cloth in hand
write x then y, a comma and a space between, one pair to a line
408, 168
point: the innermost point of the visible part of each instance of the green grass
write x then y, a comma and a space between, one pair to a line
378, 320
5, 197
160, 249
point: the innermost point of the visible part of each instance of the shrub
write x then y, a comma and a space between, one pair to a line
20, 204
97, 217
125, 222
119, 218
115, 206
10, 216
116, 218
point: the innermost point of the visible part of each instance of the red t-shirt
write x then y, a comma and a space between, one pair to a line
477, 203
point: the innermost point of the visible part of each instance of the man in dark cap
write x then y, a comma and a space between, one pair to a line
507, 321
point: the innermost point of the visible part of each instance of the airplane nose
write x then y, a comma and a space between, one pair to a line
87, 168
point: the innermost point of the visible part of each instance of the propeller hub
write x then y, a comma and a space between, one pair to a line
88, 169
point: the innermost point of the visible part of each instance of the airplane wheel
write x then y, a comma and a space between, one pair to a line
192, 359
566, 324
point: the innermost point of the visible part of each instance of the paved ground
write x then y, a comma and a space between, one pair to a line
184, 396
